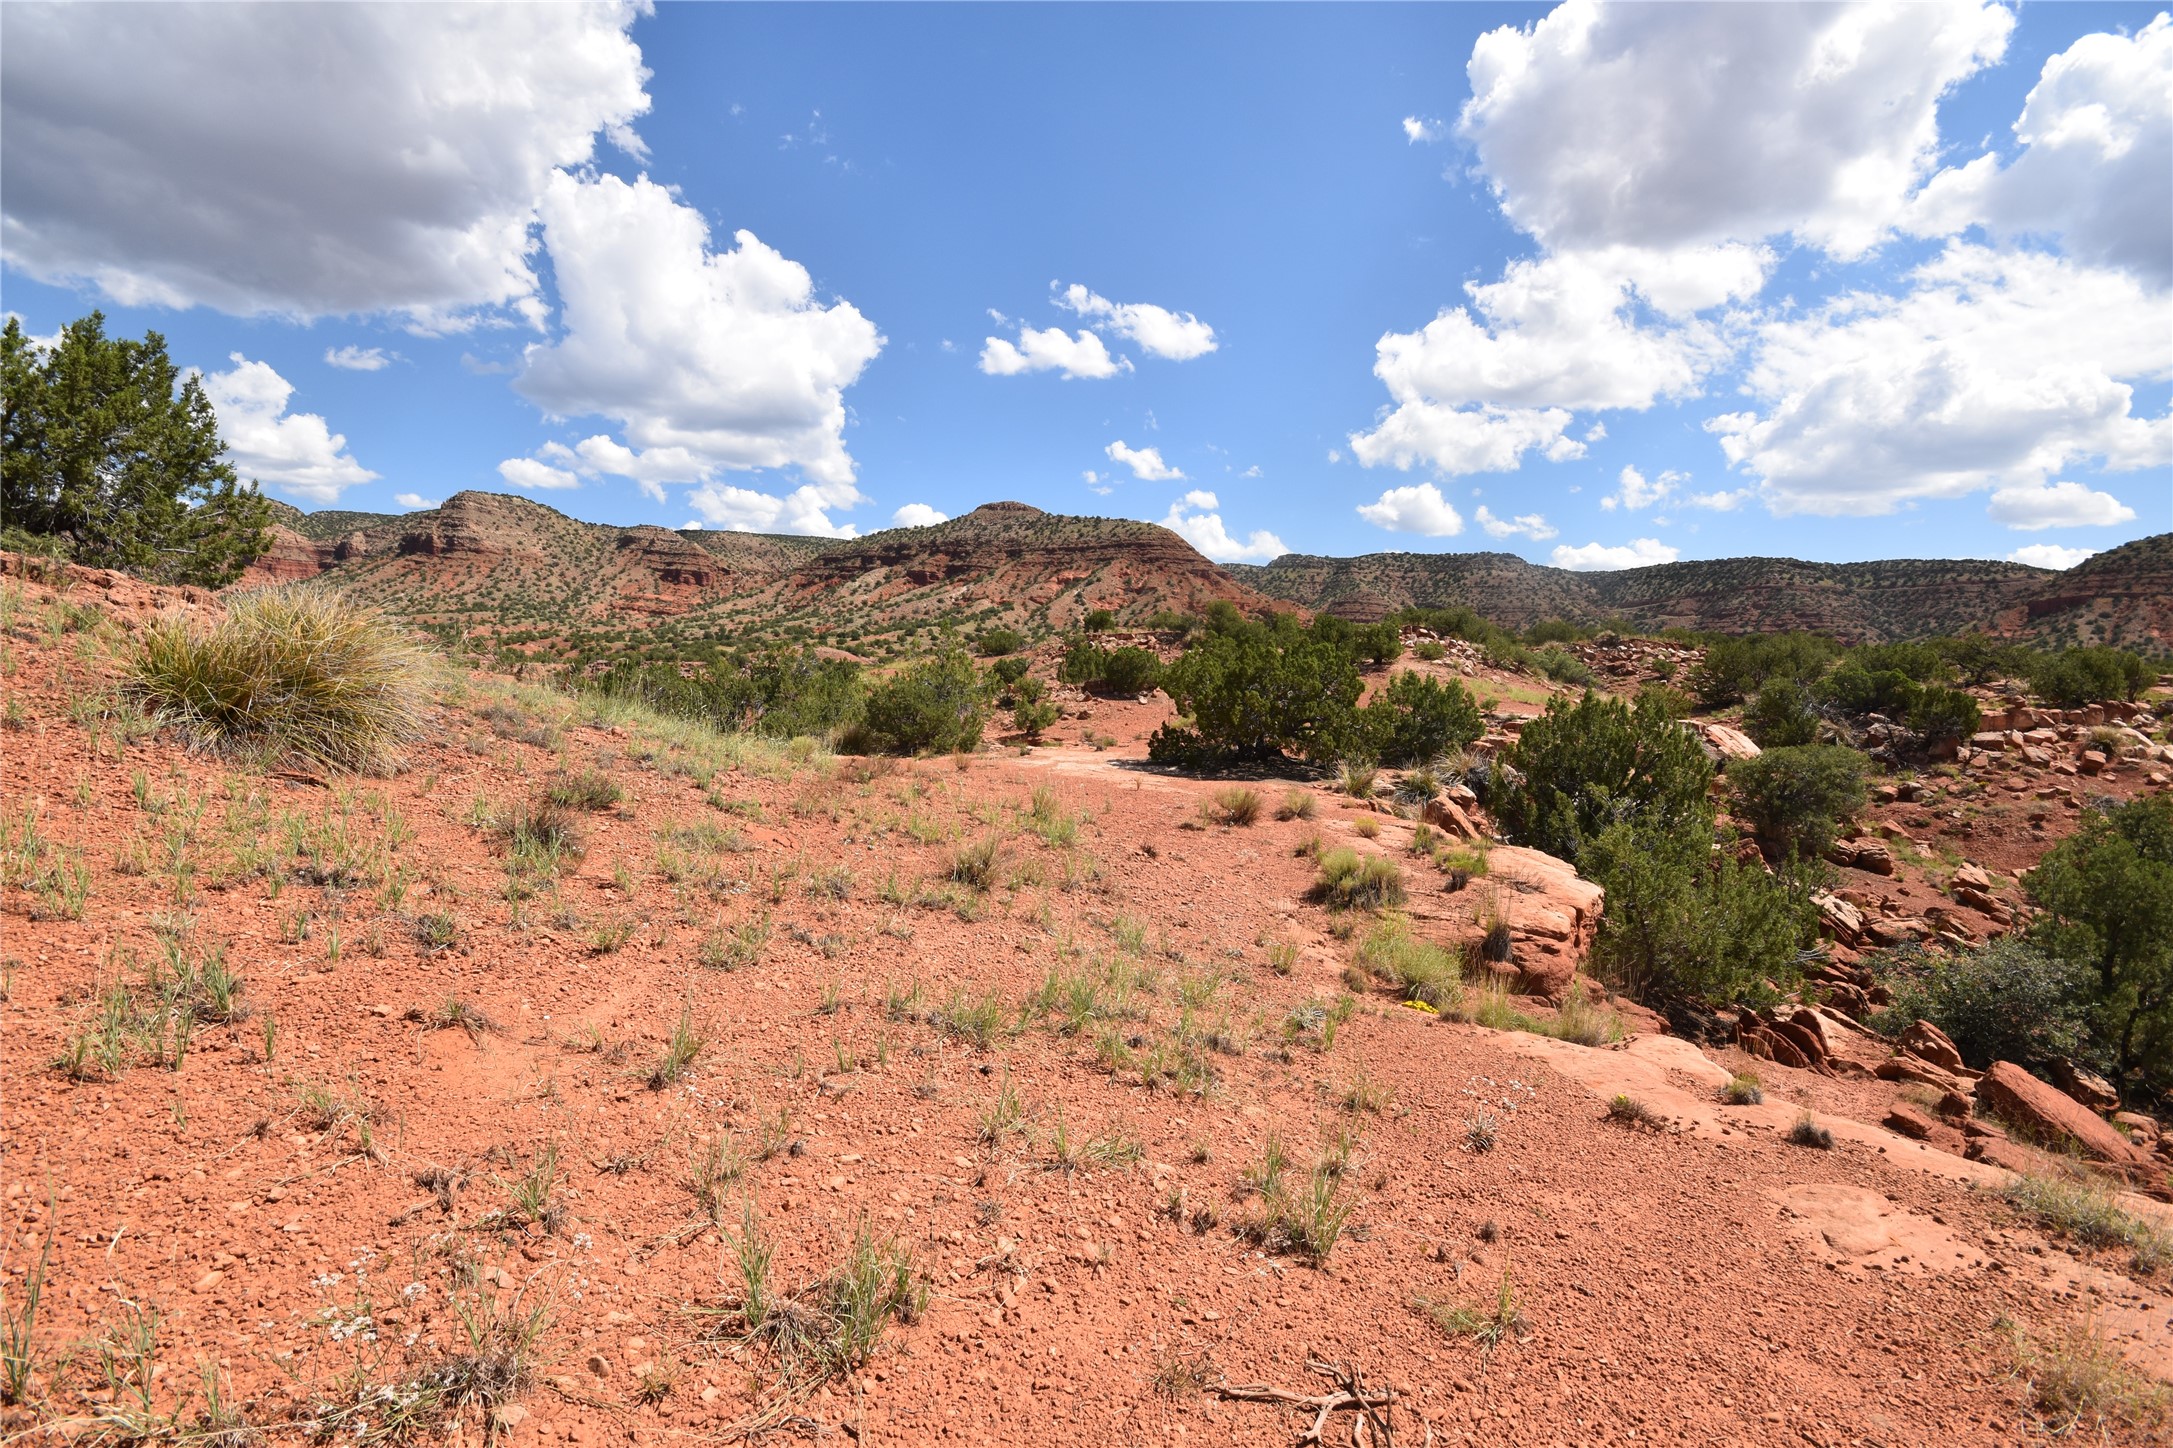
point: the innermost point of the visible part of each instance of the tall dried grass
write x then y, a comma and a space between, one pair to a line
293, 673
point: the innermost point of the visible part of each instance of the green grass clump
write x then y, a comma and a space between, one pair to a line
1743, 1090
1422, 970
2082, 1209
586, 789
289, 673
1236, 805
1350, 881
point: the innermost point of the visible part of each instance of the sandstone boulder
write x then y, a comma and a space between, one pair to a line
1911, 1124
1927, 1042
1863, 853
1448, 816
1838, 918
2053, 1116
1922, 1072
1729, 743
2085, 1085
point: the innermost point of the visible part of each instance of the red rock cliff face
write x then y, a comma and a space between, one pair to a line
290, 559
482, 526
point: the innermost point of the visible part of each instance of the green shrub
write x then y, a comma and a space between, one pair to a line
1099, 620
936, 706
1795, 799
1553, 631
293, 673
1007, 672
2074, 677
1564, 667
1131, 671
1415, 719
1781, 715
1683, 924
1735, 668
1258, 694
1031, 711
112, 448
1582, 766
2105, 897
2005, 1001
996, 642
1855, 690
1940, 713
1125, 671
1236, 805
1351, 881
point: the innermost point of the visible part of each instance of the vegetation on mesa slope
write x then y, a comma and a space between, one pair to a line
518, 572
2122, 596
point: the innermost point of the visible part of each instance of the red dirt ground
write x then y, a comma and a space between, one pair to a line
1698, 1282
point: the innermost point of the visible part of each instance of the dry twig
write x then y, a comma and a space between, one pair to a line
1374, 1420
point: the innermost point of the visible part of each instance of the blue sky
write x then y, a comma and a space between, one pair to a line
1751, 279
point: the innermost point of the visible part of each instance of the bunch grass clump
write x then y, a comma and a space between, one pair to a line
1349, 881
296, 674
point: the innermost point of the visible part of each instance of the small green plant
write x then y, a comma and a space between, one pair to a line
1298, 804
735, 949
974, 865
979, 1019
1807, 1132
679, 1052
1236, 805
1481, 1131
1282, 956
1360, 777
19, 1323
589, 789
1005, 1116
1489, 1327
456, 1014
2080, 1208
1627, 1110
1744, 1090
1420, 969
2078, 1379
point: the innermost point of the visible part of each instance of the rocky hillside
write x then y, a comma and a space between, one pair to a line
2124, 595
495, 564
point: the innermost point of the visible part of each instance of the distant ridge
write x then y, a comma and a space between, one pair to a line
2123, 595
496, 563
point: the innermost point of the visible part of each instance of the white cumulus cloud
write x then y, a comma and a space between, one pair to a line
1428, 129
1160, 332
2096, 164
1524, 525
294, 452
727, 358
1416, 509
1145, 462
1603, 558
804, 510
2050, 555
1634, 490
2057, 505
1051, 349
414, 501
1463, 440
1666, 126
531, 474
1992, 368
916, 515
1194, 519
303, 159
358, 359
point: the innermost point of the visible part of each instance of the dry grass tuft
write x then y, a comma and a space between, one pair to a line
289, 673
